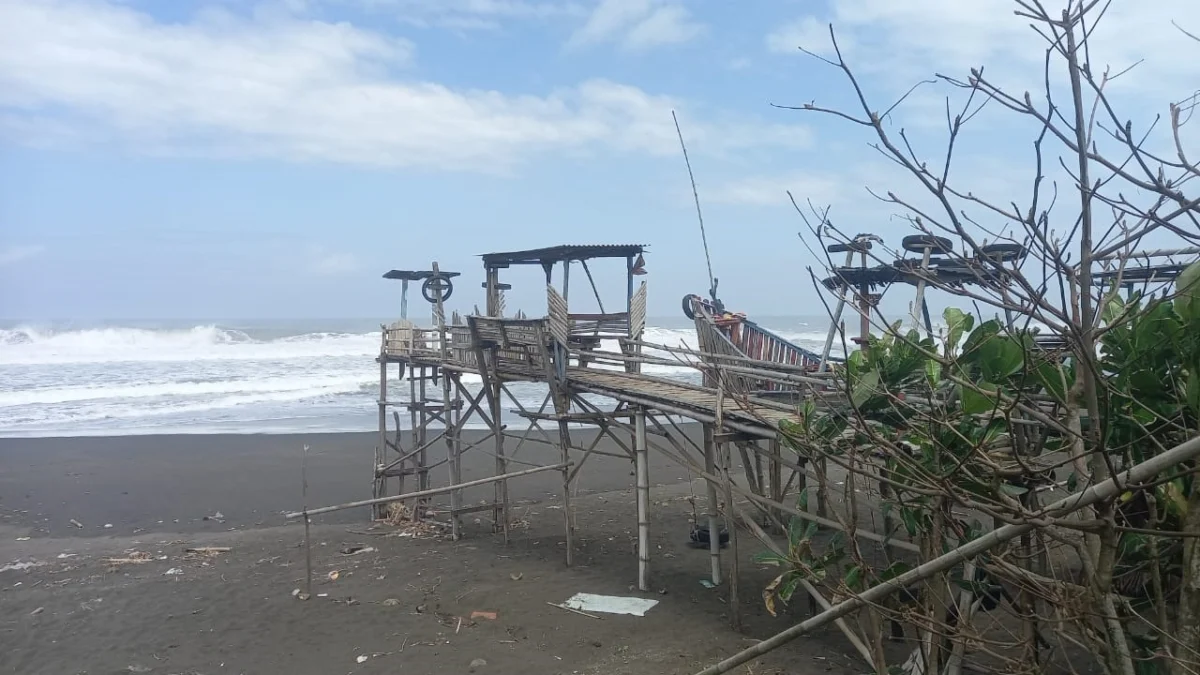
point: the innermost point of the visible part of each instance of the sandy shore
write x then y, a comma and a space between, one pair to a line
406, 605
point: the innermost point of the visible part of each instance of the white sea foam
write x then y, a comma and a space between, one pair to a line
124, 380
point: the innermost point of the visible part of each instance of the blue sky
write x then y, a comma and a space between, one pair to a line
254, 160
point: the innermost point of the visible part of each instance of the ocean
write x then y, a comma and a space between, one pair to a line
138, 377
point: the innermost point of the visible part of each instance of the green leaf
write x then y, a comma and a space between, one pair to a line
974, 402
1051, 376
1113, 307
1193, 391
854, 578
910, 521
986, 331
865, 388
1072, 481
1187, 285
933, 373
958, 322
789, 588
770, 558
1000, 357
1013, 490
894, 570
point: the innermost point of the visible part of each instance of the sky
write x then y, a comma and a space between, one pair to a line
241, 159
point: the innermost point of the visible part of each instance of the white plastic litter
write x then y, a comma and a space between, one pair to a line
610, 604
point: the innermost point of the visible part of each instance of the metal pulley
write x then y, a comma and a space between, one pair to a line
435, 284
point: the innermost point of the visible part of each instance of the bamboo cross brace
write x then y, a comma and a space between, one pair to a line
427, 493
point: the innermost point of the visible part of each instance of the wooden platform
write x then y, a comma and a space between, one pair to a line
752, 415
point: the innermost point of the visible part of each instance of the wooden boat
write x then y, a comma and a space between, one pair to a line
721, 333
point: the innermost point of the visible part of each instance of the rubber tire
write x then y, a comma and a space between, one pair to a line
427, 289
687, 307
850, 246
917, 243
1003, 252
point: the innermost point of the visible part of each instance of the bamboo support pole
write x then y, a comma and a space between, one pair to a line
714, 523
500, 514
735, 610
1108, 489
432, 492
307, 523
381, 450
833, 324
453, 459
643, 499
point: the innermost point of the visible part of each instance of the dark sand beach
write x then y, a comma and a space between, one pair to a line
405, 606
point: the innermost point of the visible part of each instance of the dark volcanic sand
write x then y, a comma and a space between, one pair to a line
234, 612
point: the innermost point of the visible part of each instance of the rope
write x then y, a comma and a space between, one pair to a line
712, 283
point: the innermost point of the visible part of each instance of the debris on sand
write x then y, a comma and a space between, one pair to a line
20, 566
610, 604
134, 558
173, 572
401, 517
76, 523
391, 602
477, 614
355, 549
208, 550
477, 664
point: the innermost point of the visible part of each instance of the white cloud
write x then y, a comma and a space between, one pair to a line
917, 38
326, 263
806, 32
15, 254
772, 190
335, 264
637, 25
470, 14
277, 86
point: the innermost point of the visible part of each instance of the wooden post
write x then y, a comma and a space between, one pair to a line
735, 612
777, 487
837, 317
564, 444
500, 514
629, 285
864, 304
423, 438
714, 523
448, 429
381, 449
641, 454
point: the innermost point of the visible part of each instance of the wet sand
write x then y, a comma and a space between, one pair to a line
406, 606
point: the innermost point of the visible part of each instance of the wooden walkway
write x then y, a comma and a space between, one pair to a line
750, 415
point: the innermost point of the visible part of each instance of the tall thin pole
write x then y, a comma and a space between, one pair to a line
307, 521
641, 456
714, 523
712, 283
